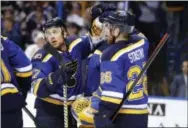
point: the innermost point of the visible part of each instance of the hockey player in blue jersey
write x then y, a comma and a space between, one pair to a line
120, 65
16, 72
93, 64
48, 78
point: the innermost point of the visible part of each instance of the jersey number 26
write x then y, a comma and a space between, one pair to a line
141, 87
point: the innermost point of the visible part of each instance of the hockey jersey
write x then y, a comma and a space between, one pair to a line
44, 64
16, 72
120, 66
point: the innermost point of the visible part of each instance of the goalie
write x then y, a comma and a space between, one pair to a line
120, 65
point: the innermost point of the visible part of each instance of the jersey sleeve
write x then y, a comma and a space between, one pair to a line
93, 73
112, 85
81, 47
21, 65
41, 68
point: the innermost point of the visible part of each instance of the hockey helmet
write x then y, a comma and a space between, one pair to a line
55, 22
124, 19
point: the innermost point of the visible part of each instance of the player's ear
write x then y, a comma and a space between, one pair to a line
116, 32
64, 32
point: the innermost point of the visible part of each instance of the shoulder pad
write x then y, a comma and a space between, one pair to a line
40, 55
113, 52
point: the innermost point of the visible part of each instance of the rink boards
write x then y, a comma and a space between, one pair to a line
164, 112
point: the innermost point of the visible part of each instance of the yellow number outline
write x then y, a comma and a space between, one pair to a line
139, 94
5, 72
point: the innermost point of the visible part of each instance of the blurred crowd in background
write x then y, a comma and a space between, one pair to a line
22, 21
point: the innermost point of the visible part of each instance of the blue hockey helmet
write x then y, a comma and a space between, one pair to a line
124, 19
55, 22
98, 9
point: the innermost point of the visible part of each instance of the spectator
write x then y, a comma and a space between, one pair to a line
39, 41
158, 86
48, 9
73, 29
36, 19
75, 18
11, 30
179, 87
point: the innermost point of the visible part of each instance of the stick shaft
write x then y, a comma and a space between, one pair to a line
32, 117
66, 121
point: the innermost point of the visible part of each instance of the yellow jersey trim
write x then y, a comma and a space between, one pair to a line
4, 37
24, 74
36, 86
74, 43
9, 90
110, 99
47, 57
90, 55
6, 74
127, 49
54, 101
98, 52
133, 111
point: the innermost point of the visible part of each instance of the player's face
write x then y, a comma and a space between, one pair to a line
55, 37
185, 67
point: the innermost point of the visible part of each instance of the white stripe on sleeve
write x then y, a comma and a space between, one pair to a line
24, 69
112, 94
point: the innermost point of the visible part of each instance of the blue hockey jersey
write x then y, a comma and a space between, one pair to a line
120, 66
16, 72
44, 64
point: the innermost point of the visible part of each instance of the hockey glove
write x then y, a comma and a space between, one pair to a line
55, 79
61, 76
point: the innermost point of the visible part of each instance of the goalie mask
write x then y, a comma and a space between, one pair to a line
98, 33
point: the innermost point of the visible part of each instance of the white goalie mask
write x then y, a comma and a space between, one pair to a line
98, 32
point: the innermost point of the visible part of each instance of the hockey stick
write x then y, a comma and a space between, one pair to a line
55, 53
32, 117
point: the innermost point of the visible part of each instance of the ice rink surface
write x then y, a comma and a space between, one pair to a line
30, 105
